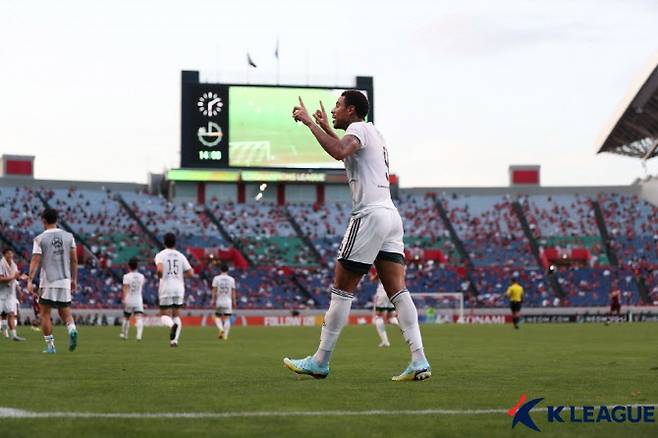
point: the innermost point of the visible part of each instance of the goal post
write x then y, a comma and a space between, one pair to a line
439, 307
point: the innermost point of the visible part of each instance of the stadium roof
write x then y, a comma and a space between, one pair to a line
634, 131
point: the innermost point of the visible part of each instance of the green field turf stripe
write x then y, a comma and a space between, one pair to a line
18, 413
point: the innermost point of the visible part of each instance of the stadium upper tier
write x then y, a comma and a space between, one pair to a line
473, 243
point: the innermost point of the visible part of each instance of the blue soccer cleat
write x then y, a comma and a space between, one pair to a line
307, 366
73, 340
50, 349
415, 371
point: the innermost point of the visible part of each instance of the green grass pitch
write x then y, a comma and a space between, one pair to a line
474, 367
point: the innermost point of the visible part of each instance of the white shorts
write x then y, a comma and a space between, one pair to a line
56, 296
382, 302
133, 307
176, 301
380, 230
224, 307
8, 304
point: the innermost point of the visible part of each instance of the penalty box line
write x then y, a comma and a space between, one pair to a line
19, 413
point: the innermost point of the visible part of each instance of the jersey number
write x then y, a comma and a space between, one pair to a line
386, 162
172, 268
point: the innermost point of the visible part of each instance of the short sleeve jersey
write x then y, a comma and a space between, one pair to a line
54, 245
367, 170
135, 282
174, 265
515, 293
225, 285
7, 270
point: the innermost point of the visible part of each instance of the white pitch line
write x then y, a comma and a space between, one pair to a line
19, 413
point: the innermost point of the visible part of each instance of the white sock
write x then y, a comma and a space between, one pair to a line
167, 321
178, 321
124, 327
408, 318
50, 340
394, 320
70, 327
381, 330
3, 324
13, 333
139, 323
334, 321
227, 327
219, 323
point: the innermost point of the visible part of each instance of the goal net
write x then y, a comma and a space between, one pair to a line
439, 307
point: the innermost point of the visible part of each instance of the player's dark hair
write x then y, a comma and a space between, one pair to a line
223, 267
358, 100
5, 250
132, 263
170, 240
50, 216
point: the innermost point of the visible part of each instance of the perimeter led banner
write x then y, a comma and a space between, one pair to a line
243, 126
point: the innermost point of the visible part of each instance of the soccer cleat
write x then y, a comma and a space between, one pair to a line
50, 349
172, 332
73, 340
122, 336
384, 344
173, 344
5, 333
419, 371
307, 366
17, 338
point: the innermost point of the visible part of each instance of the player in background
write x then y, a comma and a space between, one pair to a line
9, 276
615, 304
172, 266
374, 234
133, 284
224, 300
54, 251
515, 295
384, 310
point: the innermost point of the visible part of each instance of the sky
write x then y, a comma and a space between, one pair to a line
463, 88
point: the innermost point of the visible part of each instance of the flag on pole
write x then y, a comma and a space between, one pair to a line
250, 61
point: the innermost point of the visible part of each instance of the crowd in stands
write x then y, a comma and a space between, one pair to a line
293, 248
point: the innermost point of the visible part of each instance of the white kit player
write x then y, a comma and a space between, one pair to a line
374, 234
172, 266
9, 276
224, 300
384, 310
55, 252
133, 303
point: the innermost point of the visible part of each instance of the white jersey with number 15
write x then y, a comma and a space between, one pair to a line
174, 265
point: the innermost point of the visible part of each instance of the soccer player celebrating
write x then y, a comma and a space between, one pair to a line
54, 251
374, 234
515, 295
171, 267
133, 283
9, 276
384, 310
224, 300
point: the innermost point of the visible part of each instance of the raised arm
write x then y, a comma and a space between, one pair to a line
338, 148
322, 120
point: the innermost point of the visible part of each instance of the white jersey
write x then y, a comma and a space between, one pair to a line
7, 270
135, 282
381, 299
367, 170
225, 285
54, 245
174, 265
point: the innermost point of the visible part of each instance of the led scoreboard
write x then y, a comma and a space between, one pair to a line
251, 126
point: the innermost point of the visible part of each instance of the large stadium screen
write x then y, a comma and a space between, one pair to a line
252, 127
